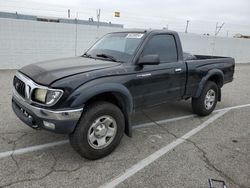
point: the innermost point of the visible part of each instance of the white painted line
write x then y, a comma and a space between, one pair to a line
156, 155
163, 121
32, 148
185, 117
52, 144
233, 107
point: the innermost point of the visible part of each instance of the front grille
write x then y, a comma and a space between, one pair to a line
19, 85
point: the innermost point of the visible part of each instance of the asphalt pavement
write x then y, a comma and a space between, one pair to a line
170, 147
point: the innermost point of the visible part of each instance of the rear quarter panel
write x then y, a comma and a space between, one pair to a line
198, 69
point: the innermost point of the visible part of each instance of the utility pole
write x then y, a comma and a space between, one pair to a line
98, 14
68, 13
218, 28
186, 30
76, 33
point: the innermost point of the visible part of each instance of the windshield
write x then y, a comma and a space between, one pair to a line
119, 46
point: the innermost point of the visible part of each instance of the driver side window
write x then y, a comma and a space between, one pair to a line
164, 46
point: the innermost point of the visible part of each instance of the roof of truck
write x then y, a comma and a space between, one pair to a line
146, 31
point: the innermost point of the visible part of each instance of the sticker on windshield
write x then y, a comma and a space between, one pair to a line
134, 35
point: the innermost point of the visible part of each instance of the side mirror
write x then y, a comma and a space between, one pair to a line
153, 59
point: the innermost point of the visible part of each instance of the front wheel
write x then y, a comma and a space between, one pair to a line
206, 102
99, 131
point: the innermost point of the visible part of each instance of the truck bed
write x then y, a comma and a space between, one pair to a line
199, 65
189, 56
201, 57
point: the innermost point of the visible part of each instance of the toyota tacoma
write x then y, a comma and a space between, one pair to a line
92, 97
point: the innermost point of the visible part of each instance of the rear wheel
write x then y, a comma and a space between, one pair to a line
206, 102
99, 131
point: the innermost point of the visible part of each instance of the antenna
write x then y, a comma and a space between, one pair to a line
218, 28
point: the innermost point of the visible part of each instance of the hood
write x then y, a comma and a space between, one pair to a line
47, 72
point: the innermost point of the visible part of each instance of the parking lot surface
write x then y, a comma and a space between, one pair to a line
170, 147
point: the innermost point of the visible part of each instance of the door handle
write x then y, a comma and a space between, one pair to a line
178, 70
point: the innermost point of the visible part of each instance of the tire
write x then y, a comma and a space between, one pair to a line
199, 104
98, 123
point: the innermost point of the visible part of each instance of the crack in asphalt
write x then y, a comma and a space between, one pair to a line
34, 179
213, 167
205, 159
65, 170
14, 143
6, 139
204, 155
53, 169
14, 148
159, 125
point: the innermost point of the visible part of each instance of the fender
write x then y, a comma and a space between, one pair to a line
213, 72
83, 94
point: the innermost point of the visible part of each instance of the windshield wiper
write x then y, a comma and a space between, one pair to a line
107, 57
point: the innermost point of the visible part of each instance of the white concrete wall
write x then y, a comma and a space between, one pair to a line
23, 42
210, 45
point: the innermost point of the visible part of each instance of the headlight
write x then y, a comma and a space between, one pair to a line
40, 95
46, 96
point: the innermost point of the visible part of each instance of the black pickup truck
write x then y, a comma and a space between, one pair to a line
92, 97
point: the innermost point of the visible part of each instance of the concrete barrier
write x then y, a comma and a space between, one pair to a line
24, 42
220, 46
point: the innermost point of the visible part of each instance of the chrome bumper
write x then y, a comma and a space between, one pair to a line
61, 115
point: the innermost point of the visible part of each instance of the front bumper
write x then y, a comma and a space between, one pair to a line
58, 121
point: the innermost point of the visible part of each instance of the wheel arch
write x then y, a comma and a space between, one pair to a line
110, 92
214, 75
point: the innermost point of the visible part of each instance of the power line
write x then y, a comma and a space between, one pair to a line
218, 28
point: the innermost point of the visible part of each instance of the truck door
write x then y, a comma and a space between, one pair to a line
166, 81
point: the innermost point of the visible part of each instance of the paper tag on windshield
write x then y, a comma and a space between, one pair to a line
134, 35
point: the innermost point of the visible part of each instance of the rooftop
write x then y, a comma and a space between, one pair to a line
56, 20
